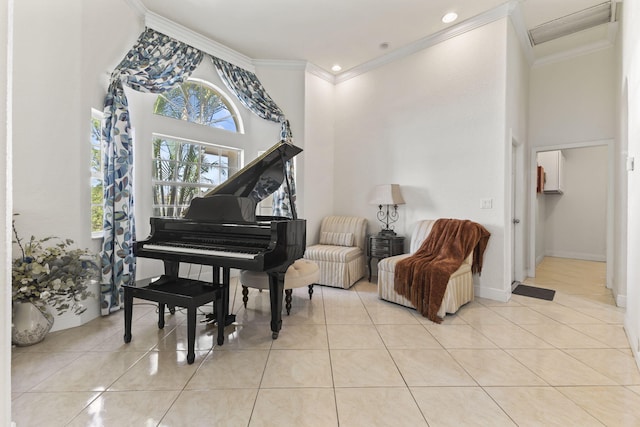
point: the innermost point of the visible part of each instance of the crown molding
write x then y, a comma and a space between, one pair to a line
432, 40
213, 48
296, 65
283, 64
517, 20
190, 37
320, 72
138, 7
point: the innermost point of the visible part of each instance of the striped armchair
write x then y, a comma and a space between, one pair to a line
340, 253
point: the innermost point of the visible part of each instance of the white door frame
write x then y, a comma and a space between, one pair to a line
517, 211
610, 200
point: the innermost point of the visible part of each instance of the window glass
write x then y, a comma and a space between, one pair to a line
199, 102
97, 176
185, 169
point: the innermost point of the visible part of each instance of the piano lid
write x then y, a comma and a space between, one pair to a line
261, 177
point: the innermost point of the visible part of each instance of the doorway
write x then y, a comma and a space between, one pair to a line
576, 224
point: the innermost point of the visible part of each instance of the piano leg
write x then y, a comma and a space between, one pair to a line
191, 335
223, 282
245, 295
171, 269
276, 291
128, 313
220, 312
287, 299
223, 318
161, 315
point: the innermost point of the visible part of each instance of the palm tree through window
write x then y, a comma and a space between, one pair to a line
198, 102
182, 168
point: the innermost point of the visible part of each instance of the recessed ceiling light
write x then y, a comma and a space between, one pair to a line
449, 17
336, 68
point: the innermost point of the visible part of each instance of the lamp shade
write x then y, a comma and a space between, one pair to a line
387, 194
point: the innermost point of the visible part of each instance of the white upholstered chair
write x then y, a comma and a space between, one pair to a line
301, 273
459, 288
340, 253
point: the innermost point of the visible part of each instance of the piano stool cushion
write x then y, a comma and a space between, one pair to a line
301, 273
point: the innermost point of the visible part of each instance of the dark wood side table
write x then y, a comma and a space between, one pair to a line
382, 246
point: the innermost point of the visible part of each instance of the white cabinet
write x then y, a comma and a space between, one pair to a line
553, 164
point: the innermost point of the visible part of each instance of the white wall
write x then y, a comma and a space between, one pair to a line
49, 149
319, 145
5, 206
631, 80
434, 123
284, 81
573, 100
618, 190
517, 155
575, 222
60, 73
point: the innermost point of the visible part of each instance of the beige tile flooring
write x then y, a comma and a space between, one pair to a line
346, 358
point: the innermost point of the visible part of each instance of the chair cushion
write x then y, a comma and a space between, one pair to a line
332, 253
389, 265
301, 273
336, 239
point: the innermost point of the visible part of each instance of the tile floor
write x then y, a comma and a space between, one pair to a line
346, 358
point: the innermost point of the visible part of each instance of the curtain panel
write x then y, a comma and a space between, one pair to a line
246, 86
155, 64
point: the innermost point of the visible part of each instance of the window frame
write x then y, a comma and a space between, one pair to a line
200, 186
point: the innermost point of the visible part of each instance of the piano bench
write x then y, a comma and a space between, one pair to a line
172, 292
301, 273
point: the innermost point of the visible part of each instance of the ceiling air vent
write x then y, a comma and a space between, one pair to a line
587, 18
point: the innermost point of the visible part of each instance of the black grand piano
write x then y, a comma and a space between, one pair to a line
221, 230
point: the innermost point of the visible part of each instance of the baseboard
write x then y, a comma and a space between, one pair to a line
495, 294
634, 340
577, 255
621, 301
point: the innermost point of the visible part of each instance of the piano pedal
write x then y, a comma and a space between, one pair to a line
210, 319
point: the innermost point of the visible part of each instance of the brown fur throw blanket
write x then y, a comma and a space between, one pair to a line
422, 278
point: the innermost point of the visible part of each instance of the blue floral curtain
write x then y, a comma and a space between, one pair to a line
246, 86
155, 64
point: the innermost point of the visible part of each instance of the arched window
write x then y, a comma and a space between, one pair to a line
183, 168
197, 101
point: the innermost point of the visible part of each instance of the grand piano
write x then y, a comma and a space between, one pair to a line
221, 230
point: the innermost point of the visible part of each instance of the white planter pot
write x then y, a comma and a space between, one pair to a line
31, 323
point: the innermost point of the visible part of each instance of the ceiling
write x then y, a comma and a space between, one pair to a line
352, 32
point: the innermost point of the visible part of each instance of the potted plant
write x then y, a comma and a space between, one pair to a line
48, 273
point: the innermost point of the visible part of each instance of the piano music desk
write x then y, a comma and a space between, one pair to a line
176, 292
